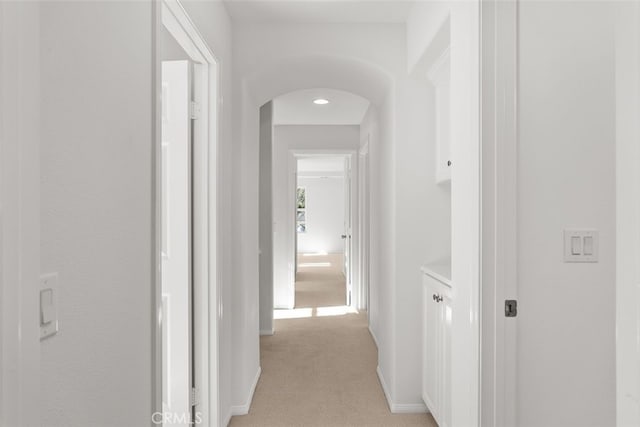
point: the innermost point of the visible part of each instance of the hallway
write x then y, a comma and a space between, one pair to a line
319, 369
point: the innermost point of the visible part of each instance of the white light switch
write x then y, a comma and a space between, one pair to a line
47, 310
48, 305
581, 245
576, 245
588, 245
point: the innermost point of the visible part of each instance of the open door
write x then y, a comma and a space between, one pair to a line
177, 243
348, 250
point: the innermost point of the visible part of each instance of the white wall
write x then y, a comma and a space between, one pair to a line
324, 215
286, 138
628, 213
566, 179
423, 25
96, 211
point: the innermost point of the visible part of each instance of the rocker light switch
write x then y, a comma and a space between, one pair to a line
581, 245
576, 247
48, 305
47, 311
588, 245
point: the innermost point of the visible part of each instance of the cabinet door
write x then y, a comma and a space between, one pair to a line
431, 334
444, 411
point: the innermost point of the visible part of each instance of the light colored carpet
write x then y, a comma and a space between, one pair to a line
321, 370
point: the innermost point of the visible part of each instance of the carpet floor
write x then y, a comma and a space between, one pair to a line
319, 368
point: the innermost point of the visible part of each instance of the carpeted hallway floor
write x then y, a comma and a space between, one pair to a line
319, 369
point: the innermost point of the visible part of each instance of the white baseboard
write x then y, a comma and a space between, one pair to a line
399, 408
227, 419
267, 332
383, 383
409, 408
244, 409
375, 340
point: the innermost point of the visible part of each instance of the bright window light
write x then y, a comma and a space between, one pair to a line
314, 264
296, 313
321, 101
339, 310
321, 253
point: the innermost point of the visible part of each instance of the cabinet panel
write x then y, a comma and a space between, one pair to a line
436, 368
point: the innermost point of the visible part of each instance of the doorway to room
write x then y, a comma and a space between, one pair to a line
323, 232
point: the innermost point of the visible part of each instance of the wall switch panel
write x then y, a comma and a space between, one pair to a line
581, 245
48, 305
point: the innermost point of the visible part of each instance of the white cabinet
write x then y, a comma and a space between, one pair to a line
436, 345
440, 76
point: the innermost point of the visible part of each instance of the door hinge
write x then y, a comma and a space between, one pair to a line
194, 398
510, 308
194, 110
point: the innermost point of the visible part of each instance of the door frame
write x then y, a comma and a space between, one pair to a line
171, 15
364, 198
627, 214
293, 155
499, 214
19, 214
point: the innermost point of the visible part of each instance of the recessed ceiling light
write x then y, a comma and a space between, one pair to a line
321, 101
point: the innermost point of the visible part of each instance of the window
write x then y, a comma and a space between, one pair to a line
301, 210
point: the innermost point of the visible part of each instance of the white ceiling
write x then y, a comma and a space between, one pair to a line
319, 11
297, 108
321, 164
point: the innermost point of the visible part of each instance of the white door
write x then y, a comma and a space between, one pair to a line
177, 319
347, 230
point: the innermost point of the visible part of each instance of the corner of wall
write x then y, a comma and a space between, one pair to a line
243, 409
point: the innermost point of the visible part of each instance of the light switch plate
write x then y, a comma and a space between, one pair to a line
48, 305
581, 245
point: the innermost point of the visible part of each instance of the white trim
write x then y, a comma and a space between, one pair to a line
190, 38
499, 138
227, 418
399, 408
244, 409
267, 332
385, 389
174, 18
409, 408
375, 340
19, 214
465, 214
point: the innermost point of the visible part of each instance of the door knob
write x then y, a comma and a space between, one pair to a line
344, 236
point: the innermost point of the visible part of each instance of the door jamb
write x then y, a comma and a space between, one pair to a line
171, 15
499, 155
364, 181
